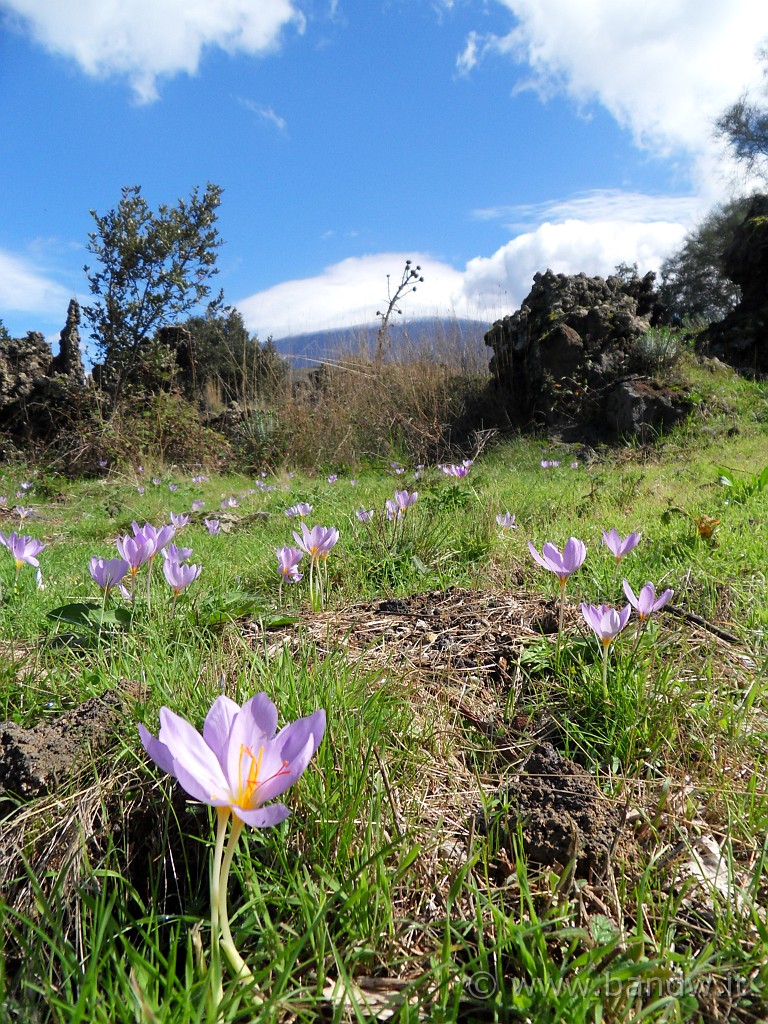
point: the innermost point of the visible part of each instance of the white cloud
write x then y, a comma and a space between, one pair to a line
591, 233
265, 113
571, 247
349, 293
23, 289
663, 70
148, 39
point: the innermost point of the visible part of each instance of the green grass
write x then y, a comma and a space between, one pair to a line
379, 873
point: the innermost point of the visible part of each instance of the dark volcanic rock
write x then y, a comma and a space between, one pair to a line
560, 357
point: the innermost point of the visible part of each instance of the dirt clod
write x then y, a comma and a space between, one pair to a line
561, 813
35, 761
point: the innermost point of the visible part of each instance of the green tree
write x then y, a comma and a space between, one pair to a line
693, 281
226, 364
744, 127
4, 333
152, 269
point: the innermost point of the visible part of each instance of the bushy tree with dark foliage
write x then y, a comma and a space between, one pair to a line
227, 365
153, 267
744, 127
693, 280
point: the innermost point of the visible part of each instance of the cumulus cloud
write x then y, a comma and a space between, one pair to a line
571, 247
591, 233
348, 293
663, 70
148, 39
23, 289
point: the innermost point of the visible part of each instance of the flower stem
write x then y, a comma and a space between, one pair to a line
605, 672
222, 816
240, 967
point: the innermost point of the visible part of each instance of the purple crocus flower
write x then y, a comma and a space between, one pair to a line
646, 602
176, 554
562, 565
237, 766
618, 545
180, 576
333, 478
230, 502
179, 519
136, 551
288, 564
549, 463
457, 471
23, 549
404, 500
173, 487
365, 516
107, 572
157, 538
606, 622
318, 541
213, 526
300, 509
506, 521
198, 505
239, 762
391, 509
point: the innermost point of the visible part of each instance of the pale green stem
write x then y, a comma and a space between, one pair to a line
562, 609
240, 967
605, 670
222, 816
149, 579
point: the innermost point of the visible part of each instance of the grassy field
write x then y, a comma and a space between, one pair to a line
481, 834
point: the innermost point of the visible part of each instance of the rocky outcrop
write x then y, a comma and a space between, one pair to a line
741, 339
69, 361
41, 394
568, 359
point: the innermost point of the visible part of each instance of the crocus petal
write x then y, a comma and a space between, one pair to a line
292, 737
630, 594
158, 751
217, 726
574, 553
263, 817
542, 561
262, 713
195, 765
279, 775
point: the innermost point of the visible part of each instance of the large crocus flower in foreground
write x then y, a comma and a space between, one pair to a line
238, 764
562, 564
618, 545
646, 602
607, 623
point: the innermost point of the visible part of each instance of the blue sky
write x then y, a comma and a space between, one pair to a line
486, 139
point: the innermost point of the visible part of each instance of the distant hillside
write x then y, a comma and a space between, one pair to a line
443, 339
